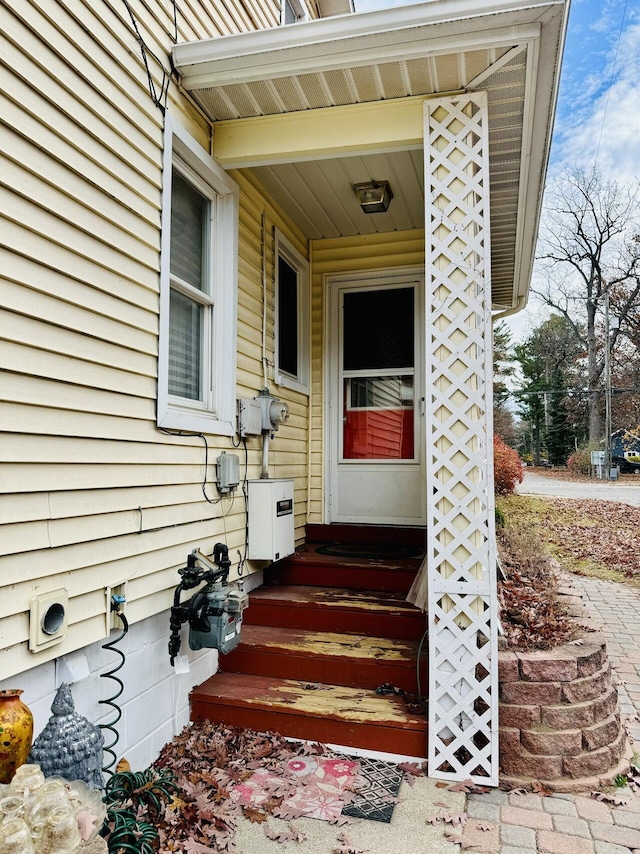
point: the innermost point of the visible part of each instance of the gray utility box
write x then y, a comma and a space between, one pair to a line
271, 527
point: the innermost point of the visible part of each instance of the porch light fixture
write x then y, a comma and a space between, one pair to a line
373, 196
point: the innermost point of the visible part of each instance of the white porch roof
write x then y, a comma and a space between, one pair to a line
510, 48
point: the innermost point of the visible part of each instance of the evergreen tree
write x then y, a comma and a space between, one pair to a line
560, 435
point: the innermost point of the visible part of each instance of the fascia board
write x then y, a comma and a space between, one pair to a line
541, 117
266, 53
411, 44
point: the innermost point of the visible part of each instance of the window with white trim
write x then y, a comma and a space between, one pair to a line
198, 289
293, 11
291, 316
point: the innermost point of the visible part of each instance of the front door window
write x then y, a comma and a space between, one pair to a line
378, 369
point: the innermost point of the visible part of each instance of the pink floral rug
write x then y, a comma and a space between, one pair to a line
314, 787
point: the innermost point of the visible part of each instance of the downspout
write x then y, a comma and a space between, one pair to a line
265, 360
264, 470
522, 301
309, 402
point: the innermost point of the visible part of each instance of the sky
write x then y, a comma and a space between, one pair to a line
598, 116
598, 113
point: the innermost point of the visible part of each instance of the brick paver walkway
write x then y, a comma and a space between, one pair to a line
577, 824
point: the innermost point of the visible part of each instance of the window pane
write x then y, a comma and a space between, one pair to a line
287, 318
185, 331
378, 418
290, 16
378, 329
380, 392
188, 232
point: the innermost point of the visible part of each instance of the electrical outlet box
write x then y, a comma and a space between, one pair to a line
227, 472
271, 525
249, 417
48, 619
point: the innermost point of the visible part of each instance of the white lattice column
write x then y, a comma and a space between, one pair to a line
463, 661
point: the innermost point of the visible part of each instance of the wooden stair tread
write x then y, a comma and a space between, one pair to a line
290, 697
333, 597
332, 644
309, 556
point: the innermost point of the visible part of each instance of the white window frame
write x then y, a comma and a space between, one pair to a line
215, 413
285, 249
300, 9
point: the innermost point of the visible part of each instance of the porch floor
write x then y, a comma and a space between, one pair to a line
313, 652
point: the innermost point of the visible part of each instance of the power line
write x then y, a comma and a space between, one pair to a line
613, 71
568, 391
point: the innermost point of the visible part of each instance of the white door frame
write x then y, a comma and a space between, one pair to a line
395, 276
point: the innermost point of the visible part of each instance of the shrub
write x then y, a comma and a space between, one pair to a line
507, 467
580, 461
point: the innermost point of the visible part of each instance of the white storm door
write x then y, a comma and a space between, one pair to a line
376, 398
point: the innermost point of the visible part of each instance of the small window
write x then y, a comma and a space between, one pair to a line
198, 290
293, 11
291, 317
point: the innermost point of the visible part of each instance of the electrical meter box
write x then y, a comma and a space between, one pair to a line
271, 528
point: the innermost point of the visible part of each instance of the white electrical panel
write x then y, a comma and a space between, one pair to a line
271, 526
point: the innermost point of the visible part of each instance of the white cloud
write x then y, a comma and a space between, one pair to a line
610, 125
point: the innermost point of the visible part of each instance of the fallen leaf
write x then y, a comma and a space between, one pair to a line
441, 785
411, 768
254, 815
346, 846
518, 792
466, 786
540, 789
485, 826
291, 835
193, 847
441, 804
434, 819
616, 800
341, 820
286, 813
457, 819
459, 839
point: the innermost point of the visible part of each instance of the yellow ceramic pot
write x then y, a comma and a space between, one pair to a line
16, 733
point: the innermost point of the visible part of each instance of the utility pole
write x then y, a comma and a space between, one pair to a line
607, 385
608, 461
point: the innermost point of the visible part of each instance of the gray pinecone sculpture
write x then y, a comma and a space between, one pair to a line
70, 746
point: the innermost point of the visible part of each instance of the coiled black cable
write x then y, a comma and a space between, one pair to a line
110, 674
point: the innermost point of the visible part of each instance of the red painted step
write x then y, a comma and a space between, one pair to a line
356, 661
326, 609
327, 713
307, 566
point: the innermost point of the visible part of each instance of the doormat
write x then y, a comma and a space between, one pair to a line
370, 551
313, 787
376, 788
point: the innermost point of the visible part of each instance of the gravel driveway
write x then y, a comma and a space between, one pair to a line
602, 490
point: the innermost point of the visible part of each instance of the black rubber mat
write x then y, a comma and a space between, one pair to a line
370, 551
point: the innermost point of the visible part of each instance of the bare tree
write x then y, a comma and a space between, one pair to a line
589, 249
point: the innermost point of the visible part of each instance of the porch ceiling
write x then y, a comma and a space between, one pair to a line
510, 49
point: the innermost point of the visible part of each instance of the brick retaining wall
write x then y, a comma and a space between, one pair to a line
559, 718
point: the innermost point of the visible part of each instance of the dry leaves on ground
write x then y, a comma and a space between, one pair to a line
531, 613
603, 533
209, 760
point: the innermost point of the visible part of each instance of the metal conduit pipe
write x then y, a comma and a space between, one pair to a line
264, 473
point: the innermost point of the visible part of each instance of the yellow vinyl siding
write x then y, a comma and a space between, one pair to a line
334, 257
92, 494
